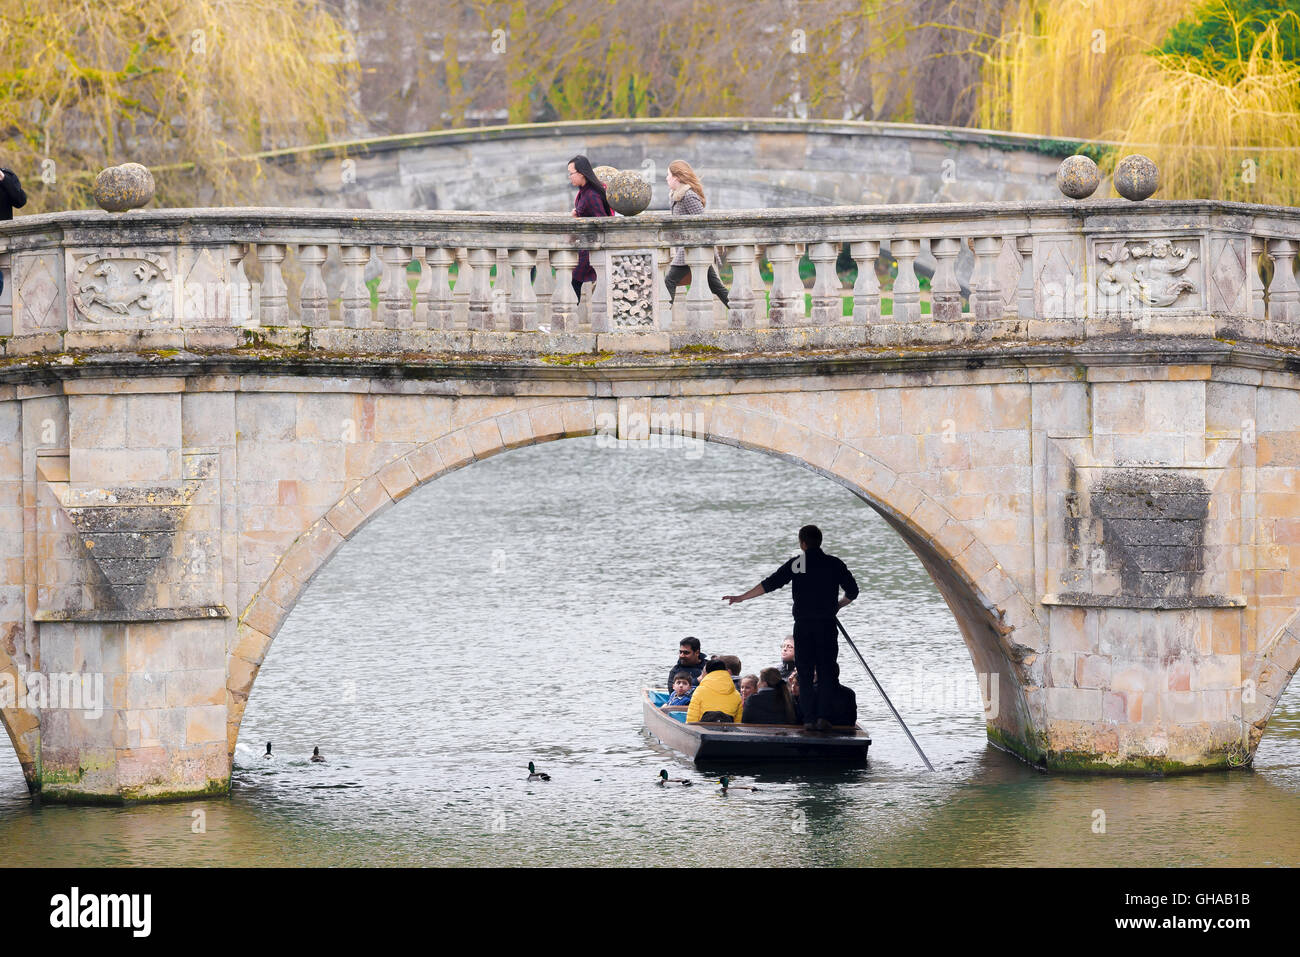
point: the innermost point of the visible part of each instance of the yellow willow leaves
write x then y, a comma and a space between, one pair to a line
1233, 136
182, 86
1086, 69
592, 59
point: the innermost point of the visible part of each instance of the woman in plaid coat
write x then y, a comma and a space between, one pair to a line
688, 200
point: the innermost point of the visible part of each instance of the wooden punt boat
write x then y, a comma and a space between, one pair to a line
709, 742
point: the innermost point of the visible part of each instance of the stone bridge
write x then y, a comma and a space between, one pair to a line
745, 163
1096, 454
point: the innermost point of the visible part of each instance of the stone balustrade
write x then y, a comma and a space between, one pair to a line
204, 279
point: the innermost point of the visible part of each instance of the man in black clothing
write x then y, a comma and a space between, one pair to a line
817, 579
842, 702
689, 661
11, 195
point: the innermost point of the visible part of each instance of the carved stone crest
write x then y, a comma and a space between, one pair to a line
123, 290
1144, 274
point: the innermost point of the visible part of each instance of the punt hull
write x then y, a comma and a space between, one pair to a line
708, 743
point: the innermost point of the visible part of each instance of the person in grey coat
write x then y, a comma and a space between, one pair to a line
11, 195
688, 200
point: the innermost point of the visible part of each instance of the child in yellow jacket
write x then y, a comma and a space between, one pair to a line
715, 692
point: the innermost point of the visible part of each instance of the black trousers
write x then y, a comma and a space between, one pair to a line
816, 646
676, 275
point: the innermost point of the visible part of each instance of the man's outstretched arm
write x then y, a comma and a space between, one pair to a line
752, 593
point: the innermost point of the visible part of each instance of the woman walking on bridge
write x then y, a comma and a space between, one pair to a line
688, 200
590, 201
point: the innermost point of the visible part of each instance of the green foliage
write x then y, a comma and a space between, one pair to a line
1221, 34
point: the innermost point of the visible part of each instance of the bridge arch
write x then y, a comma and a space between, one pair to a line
1264, 684
998, 624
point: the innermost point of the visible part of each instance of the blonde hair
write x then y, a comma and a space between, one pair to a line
682, 170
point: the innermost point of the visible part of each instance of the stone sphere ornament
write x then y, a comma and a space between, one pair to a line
627, 192
1136, 177
604, 173
119, 188
1078, 176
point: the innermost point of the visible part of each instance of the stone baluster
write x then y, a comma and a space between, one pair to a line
1283, 293
437, 261
665, 316
241, 290
523, 301
423, 288
1254, 281
480, 291
544, 284
460, 295
543, 288
985, 287
275, 294
781, 305
827, 306
313, 297
945, 291
598, 311
866, 290
501, 291
796, 284
564, 304
7, 295
742, 314
699, 300
394, 291
1025, 288
356, 295
907, 290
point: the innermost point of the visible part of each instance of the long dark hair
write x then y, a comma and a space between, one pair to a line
772, 678
583, 166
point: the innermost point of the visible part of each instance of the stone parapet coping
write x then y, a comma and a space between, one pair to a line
686, 125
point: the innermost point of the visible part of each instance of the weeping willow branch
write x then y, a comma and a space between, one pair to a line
186, 87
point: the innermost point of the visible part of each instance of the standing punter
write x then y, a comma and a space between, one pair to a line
817, 578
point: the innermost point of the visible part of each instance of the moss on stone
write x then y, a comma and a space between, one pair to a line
576, 358
217, 787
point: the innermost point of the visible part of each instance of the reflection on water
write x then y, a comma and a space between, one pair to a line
511, 611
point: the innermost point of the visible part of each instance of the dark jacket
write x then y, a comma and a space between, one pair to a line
817, 587
11, 193
787, 669
766, 706
693, 670
588, 203
844, 704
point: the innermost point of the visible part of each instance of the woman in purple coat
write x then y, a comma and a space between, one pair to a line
590, 201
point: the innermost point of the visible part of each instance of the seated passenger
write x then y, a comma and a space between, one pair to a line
682, 690
715, 692
843, 708
792, 684
733, 665
771, 703
689, 660
787, 656
748, 685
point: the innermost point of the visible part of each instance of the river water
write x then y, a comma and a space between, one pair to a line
510, 612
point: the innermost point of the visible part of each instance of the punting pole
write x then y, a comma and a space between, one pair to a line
928, 765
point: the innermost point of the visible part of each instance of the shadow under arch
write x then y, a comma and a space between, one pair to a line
22, 724
1262, 688
997, 624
